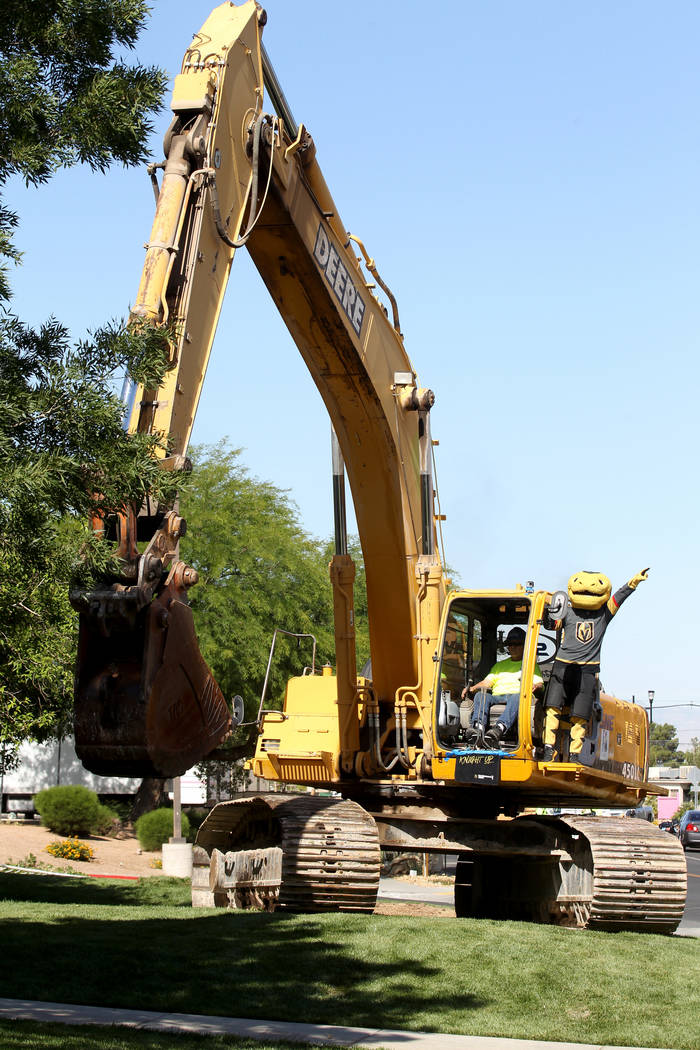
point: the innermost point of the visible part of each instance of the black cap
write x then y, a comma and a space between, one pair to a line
515, 636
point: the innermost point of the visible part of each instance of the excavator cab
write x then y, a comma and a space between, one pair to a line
475, 629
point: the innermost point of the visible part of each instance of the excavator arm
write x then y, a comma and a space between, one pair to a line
236, 175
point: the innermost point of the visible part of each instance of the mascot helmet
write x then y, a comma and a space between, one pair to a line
589, 590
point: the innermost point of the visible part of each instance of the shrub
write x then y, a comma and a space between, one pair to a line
70, 849
682, 809
29, 861
197, 815
119, 806
69, 810
107, 822
156, 827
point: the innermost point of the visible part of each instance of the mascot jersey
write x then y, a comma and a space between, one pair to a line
583, 630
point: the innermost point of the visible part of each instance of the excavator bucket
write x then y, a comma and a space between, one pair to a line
146, 704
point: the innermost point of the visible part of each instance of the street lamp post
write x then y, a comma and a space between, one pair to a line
650, 694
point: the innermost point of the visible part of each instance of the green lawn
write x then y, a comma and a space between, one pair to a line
140, 946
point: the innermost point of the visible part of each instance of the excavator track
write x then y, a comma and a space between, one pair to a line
609, 873
298, 853
639, 875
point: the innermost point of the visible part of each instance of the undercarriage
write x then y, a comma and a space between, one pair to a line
316, 853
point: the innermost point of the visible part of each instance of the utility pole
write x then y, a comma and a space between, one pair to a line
177, 811
177, 853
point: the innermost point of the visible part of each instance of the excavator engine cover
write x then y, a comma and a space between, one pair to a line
146, 703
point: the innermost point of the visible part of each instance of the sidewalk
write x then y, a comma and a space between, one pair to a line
282, 1031
403, 890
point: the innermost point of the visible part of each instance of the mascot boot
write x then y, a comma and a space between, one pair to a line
551, 725
578, 735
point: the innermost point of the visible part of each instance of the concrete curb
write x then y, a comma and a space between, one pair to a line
288, 1031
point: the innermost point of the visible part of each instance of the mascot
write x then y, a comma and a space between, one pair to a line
583, 619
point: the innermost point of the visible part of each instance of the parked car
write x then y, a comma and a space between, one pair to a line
689, 831
669, 825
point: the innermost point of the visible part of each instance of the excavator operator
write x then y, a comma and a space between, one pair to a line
504, 680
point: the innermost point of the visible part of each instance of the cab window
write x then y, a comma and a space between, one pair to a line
461, 651
475, 640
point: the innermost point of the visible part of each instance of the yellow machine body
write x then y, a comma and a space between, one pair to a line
234, 176
303, 745
393, 742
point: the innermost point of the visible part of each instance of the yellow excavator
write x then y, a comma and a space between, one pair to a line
387, 753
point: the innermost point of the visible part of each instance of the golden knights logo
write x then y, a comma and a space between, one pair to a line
584, 631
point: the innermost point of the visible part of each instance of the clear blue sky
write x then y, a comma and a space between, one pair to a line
526, 174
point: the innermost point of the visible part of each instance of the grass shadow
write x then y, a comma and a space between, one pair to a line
59, 889
276, 967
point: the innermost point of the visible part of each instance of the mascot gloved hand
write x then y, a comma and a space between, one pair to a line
638, 578
574, 680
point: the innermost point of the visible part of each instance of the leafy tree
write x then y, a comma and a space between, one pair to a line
63, 453
63, 456
258, 570
663, 745
692, 756
65, 98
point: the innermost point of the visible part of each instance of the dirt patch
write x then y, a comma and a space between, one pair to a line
414, 908
122, 856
